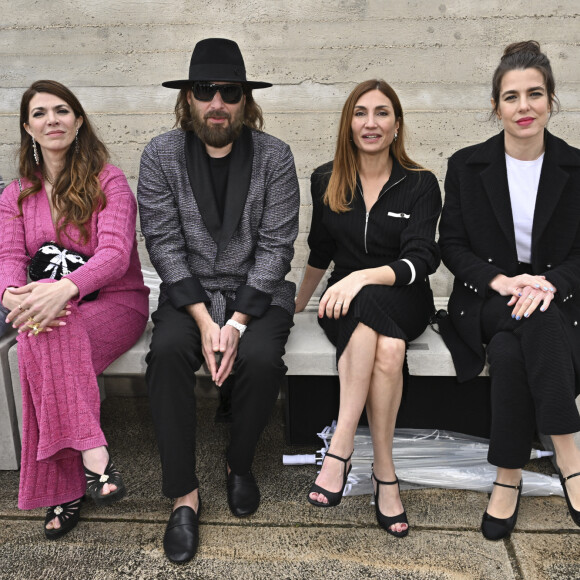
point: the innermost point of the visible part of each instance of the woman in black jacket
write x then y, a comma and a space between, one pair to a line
374, 215
510, 234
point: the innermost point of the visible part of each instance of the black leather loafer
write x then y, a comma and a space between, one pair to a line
182, 534
243, 494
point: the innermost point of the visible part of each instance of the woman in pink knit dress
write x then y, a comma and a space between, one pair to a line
67, 194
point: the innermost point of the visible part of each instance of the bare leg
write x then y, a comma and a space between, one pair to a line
355, 368
568, 459
502, 502
382, 405
191, 500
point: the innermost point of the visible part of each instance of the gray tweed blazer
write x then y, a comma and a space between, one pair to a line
238, 265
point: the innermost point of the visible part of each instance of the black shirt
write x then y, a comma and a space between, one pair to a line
219, 168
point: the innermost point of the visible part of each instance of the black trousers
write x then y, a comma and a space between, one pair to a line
174, 357
532, 380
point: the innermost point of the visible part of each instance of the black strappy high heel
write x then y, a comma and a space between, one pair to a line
494, 528
387, 521
68, 514
574, 513
96, 481
333, 497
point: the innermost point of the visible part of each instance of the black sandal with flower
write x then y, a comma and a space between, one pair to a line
68, 515
96, 482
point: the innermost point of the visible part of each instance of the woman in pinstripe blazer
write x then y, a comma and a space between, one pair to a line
374, 215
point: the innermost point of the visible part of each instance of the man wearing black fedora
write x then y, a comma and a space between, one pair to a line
218, 202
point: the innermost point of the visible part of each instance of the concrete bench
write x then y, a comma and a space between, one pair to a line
308, 351
9, 434
308, 355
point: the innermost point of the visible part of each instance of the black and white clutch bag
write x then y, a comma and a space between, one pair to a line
52, 261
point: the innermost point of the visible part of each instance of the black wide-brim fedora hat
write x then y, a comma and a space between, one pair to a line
216, 59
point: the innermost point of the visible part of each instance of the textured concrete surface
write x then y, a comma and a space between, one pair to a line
439, 56
286, 538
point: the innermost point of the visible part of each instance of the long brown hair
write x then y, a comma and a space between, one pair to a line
520, 56
76, 193
253, 117
341, 187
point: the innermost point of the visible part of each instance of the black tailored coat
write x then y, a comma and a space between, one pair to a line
477, 241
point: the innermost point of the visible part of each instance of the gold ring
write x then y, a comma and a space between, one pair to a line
36, 330
30, 319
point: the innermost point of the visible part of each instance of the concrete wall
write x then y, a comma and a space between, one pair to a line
439, 56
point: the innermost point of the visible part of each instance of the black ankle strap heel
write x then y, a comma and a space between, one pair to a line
494, 528
573, 512
387, 521
334, 497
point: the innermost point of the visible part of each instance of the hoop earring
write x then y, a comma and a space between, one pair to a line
35, 151
77, 141
395, 137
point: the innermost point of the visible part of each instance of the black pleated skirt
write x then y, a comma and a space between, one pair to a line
396, 311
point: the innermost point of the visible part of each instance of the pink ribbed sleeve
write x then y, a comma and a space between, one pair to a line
13, 257
115, 228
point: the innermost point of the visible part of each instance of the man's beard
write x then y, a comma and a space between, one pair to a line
217, 136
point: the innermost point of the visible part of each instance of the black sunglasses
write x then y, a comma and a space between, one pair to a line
230, 94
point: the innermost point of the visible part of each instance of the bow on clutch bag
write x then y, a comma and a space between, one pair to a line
52, 261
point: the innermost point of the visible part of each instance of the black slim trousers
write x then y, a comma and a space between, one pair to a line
175, 355
532, 380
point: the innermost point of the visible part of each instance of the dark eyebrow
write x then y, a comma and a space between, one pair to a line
538, 88
55, 107
377, 107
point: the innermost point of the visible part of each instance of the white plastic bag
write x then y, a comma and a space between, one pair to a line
434, 458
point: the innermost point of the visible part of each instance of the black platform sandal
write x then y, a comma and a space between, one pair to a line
96, 482
494, 528
574, 513
68, 515
334, 497
387, 521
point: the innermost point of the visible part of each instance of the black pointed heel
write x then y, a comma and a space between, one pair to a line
334, 497
387, 521
96, 481
494, 528
574, 513
68, 515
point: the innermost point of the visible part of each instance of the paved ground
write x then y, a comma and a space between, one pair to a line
286, 538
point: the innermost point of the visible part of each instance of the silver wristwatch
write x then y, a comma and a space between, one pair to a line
241, 328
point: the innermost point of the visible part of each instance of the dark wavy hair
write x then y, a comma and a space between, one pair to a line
520, 56
253, 116
341, 187
77, 192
